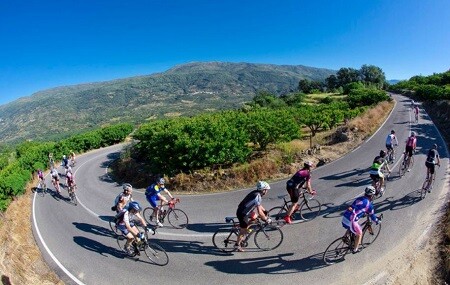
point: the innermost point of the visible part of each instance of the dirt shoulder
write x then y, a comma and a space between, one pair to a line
21, 261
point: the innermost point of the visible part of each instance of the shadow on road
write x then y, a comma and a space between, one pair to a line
275, 264
93, 229
100, 248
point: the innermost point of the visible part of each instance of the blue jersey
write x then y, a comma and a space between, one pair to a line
154, 190
359, 208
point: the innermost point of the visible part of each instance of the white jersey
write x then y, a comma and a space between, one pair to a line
54, 173
390, 139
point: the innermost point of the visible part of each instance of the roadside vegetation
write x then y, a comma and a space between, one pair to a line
434, 93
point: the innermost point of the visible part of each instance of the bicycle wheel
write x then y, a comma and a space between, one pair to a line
277, 214
121, 241
178, 218
148, 212
114, 228
402, 168
156, 254
310, 209
336, 251
424, 189
73, 197
225, 239
411, 162
268, 237
370, 234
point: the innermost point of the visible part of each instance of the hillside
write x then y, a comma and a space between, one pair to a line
180, 91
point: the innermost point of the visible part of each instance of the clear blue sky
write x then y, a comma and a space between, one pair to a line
47, 44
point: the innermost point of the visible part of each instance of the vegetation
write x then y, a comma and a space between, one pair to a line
17, 165
184, 90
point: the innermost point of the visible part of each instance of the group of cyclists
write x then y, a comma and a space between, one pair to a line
250, 208
54, 174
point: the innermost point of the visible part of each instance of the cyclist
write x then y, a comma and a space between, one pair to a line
55, 179
126, 224
293, 185
376, 170
72, 158
50, 160
360, 207
65, 161
416, 113
249, 209
410, 147
432, 160
123, 198
391, 138
70, 180
153, 194
40, 176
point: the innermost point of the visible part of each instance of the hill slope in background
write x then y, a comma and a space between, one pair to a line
183, 90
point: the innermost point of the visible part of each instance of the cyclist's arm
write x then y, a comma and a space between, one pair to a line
143, 223
168, 193
308, 186
262, 212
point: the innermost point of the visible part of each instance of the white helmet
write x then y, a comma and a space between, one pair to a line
262, 185
370, 190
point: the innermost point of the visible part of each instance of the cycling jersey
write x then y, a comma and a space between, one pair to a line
123, 218
294, 184
249, 203
390, 139
432, 155
54, 173
40, 174
125, 199
358, 209
411, 142
377, 165
154, 189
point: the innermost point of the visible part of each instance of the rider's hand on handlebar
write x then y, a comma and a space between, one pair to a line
268, 220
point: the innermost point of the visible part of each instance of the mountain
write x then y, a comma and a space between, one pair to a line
183, 90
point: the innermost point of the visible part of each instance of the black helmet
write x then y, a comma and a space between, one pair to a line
308, 164
382, 153
392, 132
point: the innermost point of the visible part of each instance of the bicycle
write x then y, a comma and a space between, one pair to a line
176, 217
267, 236
338, 249
407, 163
391, 154
377, 183
56, 185
427, 185
41, 185
72, 195
154, 252
308, 209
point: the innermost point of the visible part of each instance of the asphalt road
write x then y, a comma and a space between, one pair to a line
77, 243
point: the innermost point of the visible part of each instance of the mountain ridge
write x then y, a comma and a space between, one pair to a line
182, 90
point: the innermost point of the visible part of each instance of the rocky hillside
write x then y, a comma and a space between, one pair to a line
180, 91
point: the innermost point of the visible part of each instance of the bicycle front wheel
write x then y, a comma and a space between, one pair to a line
411, 162
121, 241
225, 239
336, 251
269, 237
310, 209
370, 234
178, 218
156, 254
423, 191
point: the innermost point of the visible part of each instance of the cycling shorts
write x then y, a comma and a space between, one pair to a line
152, 199
353, 226
244, 220
124, 229
431, 166
56, 178
376, 174
293, 190
409, 150
389, 147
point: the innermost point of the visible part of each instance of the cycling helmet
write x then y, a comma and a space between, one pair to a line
369, 191
134, 206
262, 185
308, 164
64, 156
161, 181
126, 186
413, 134
382, 153
392, 132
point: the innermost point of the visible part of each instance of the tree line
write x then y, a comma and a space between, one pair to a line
19, 163
425, 88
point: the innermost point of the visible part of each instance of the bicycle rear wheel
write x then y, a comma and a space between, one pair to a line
370, 234
73, 198
148, 212
268, 237
225, 239
114, 228
121, 241
178, 218
336, 251
310, 209
156, 254
411, 162
424, 189
402, 168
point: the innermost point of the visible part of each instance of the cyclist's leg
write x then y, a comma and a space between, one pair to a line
243, 226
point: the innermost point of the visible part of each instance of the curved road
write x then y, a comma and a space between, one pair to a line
77, 243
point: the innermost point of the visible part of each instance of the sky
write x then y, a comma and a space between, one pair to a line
46, 44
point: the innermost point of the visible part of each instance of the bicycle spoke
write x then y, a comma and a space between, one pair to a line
225, 239
336, 251
156, 254
178, 218
269, 237
370, 234
310, 209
